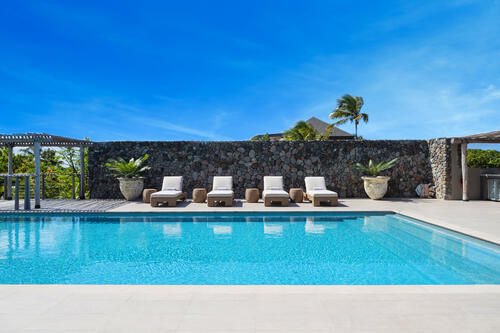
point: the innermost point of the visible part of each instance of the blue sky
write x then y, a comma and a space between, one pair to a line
227, 70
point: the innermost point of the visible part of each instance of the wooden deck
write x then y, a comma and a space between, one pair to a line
63, 205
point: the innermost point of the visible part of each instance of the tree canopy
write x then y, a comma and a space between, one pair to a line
348, 109
302, 131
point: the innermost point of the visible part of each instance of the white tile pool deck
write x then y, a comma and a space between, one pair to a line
72, 308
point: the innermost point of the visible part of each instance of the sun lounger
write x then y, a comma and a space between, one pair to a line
222, 192
273, 191
171, 191
316, 192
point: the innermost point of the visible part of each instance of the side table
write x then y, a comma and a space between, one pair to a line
252, 195
199, 195
297, 195
146, 194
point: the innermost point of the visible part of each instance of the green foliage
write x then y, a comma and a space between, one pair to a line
131, 169
261, 137
302, 131
374, 169
478, 158
348, 109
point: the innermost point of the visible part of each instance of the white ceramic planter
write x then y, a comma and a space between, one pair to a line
376, 187
131, 188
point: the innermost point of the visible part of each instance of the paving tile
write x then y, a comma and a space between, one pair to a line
155, 307
142, 322
68, 322
220, 322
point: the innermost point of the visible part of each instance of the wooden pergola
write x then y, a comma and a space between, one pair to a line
37, 141
489, 137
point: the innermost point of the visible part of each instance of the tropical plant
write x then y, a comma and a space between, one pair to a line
374, 169
348, 109
261, 137
131, 169
302, 131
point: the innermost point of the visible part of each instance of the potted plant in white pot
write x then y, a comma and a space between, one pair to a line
129, 175
375, 185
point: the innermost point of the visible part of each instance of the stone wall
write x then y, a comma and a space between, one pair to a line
440, 157
248, 161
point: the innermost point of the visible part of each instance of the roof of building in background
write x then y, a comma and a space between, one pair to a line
320, 126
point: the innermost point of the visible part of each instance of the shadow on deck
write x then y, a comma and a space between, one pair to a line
63, 205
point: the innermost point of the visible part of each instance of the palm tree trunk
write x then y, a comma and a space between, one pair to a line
356, 129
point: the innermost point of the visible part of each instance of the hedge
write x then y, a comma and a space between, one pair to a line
478, 158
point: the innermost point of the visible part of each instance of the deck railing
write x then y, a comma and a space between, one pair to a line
21, 184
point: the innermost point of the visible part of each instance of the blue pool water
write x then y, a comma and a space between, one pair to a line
307, 248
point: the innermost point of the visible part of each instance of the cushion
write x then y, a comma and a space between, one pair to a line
220, 194
312, 182
172, 182
275, 194
322, 194
273, 181
166, 194
223, 181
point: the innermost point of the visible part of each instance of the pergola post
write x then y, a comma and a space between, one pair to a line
36, 149
10, 171
465, 173
82, 172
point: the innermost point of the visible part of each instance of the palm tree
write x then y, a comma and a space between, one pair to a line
302, 131
348, 109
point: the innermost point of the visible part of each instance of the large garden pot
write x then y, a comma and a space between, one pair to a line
376, 187
131, 188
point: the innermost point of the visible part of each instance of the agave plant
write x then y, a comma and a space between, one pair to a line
374, 169
131, 169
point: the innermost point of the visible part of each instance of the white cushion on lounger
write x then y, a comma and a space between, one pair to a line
222, 187
274, 194
170, 182
273, 182
318, 182
312, 182
220, 193
166, 194
223, 181
322, 194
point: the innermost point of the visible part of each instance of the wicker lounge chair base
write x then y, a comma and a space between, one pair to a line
332, 201
170, 202
269, 201
220, 201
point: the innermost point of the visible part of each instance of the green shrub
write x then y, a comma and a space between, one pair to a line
478, 158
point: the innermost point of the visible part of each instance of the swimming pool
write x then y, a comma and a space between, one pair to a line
298, 248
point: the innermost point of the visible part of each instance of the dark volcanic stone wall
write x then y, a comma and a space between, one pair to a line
249, 161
